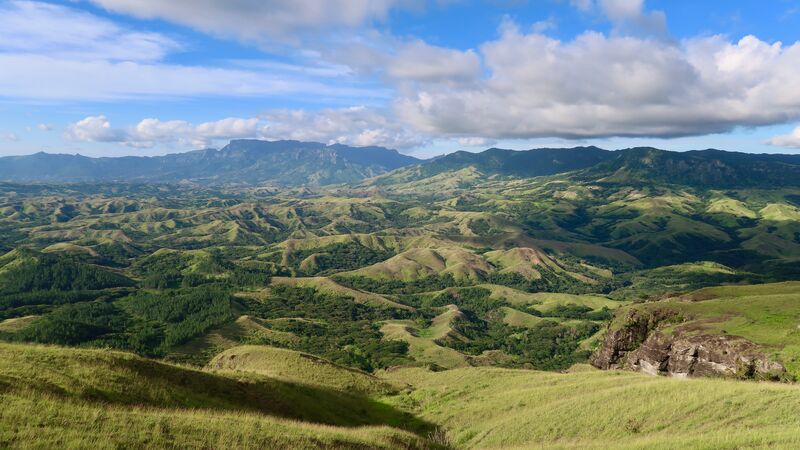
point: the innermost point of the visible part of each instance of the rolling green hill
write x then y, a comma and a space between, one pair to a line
367, 314
76, 398
297, 367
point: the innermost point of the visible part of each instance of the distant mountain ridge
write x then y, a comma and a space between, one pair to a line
699, 168
640, 165
242, 161
294, 163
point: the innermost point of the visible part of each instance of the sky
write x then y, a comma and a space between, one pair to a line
149, 77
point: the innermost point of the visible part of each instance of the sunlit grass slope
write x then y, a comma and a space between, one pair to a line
491, 408
66, 398
297, 367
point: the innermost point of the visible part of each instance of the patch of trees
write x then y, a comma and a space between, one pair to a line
546, 346
340, 257
330, 326
149, 323
581, 312
59, 273
393, 286
76, 324
182, 314
40, 302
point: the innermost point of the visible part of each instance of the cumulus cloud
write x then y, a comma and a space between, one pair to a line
601, 86
630, 17
256, 19
44, 127
93, 129
150, 132
12, 137
791, 140
419, 61
359, 126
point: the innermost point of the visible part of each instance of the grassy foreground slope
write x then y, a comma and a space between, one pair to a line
492, 408
65, 398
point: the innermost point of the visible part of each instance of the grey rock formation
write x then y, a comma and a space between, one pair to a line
642, 345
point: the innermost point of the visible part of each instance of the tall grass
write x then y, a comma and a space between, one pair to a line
501, 408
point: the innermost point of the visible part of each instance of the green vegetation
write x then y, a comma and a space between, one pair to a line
493, 408
296, 301
78, 398
328, 325
23, 271
297, 367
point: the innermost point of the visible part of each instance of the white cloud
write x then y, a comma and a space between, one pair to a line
31, 76
475, 142
418, 61
791, 140
599, 86
10, 137
544, 25
256, 19
44, 127
93, 129
54, 30
359, 126
629, 17
53, 52
621, 10
150, 132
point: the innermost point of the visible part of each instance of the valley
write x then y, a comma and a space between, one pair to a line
469, 301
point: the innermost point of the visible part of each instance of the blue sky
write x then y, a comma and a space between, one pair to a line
146, 77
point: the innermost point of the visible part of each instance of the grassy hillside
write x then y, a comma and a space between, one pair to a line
491, 408
297, 367
56, 397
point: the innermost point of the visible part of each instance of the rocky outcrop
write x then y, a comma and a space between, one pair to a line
638, 342
627, 334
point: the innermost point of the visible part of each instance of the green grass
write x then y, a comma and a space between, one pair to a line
70, 396
520, 319
17, 323
490, 408
732, 207
297, 367
547, 301
45, 421
420, 263
421, 341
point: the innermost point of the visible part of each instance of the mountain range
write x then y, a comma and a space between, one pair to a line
294, 163
240, 162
